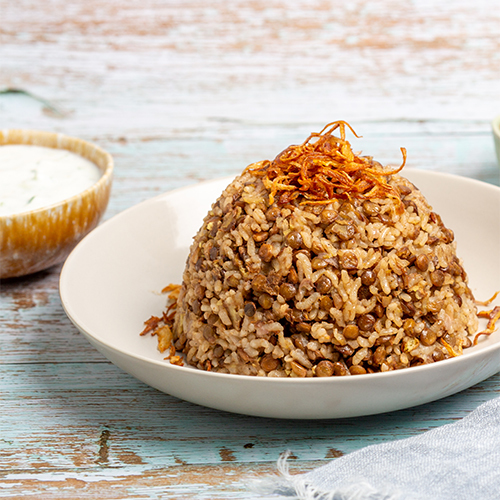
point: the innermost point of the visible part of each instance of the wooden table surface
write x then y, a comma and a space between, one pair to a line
180, 91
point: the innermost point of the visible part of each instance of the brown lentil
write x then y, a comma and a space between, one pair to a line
428, 337
212, 319
422, 262
273, 213
379, 355
328, 216
410, 204
232, 281
371, 209
448, 235
437, 277
196, 306
357, 370
325, 368
455, 269
199, 291
404, 190
364, 293
351, 332
296, 316
344, 231
213, 253
368, 277
268, 363
259, 237
326, 303
379, 311
413, 233
208, 332
243, 355
438, 356
265, 300
250, 309
349, 260
324, 284
287, 290
313, 355
294, 239
339, 369
408, 308
384, 340
303, 327
266, 252
214, 227
298, 369
409, 326
259, 283
366, 322
345, 350
299, 341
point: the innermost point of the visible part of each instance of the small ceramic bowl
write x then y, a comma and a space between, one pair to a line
35, 240
496, 136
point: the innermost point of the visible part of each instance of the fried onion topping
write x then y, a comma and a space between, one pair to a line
324, 167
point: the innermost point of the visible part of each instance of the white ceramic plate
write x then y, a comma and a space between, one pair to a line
110, 284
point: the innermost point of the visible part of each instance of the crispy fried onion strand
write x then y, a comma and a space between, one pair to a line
161, 327
450, 349
493, 316
489, 301
323, 168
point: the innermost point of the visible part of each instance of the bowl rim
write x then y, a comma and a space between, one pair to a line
59, 140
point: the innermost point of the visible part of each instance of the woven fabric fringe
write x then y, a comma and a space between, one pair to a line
300, 488
458, 461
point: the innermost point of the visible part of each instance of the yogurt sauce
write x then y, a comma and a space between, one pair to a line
32, 177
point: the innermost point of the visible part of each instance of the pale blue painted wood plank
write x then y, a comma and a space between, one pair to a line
70, 409
33, 325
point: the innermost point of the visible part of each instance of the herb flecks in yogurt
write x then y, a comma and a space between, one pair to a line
33, 177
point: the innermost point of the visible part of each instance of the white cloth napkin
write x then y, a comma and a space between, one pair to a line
459, 461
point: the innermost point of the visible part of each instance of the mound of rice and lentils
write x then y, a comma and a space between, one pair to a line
319, 263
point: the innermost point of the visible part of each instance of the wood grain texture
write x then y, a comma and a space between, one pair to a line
147, 67
90, 422
93, 407
183, 91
